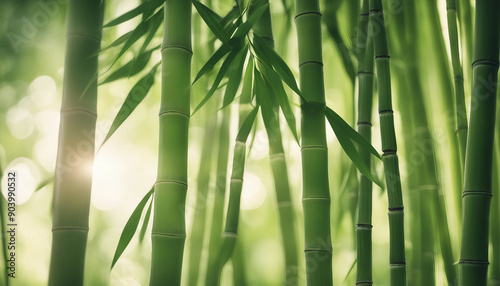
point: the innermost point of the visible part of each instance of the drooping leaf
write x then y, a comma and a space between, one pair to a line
135, 96
145, 7
350, 269
129, 69
245, 27
353, 134
138, 32
348, 146
234, 79
44, 183
222, 72
130, 228
155, 23
212, 20
246, 126
214, 59
279, 92
270, 56
142, 233
122, 39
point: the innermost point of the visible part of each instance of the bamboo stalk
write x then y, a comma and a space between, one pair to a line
316, 191
365, 102
389, 146
473, 265
75, 154
169, 231
263, 28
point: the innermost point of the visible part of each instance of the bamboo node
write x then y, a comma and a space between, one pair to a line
305, 13
310, 62
78, 109
170, 182
386, 56
76, 228
364, 123
477, 193
173, 111
474, 261
364, 226
175, 235
329, 250
370, 282
396, 209
485, 62
177, 47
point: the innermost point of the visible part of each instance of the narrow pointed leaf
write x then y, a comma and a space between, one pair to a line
247, 125
135, 96
276, 62
244, 28
130, 228
154, 26
353, 134
145, 223
212, 20
349, 147
234, 80
222, 72
145, 7
209, 65
129, 69
122, 39
44, 183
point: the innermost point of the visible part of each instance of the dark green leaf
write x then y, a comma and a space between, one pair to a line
154, 24
244, 28
145, 7
135, 96
131, 68
222, 72
353, 134
142, 233
212, 20
279, 65
234, 79
349, 147
130, 227
247, 125
209, 65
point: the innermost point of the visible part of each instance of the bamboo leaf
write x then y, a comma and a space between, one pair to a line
138, 32
209, 65
247, 125
154, 25
131, 68
353, 134
350, 270
212, 20
44, 183
142, 233
122, 39
270, 56
244, 28
130, 228
135, 96
234, 80
349, 147
145, 7
283, 101
222, 72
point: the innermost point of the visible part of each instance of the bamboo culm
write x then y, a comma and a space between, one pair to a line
473, 265
365, 103
75, 154
389, 147
169, 230
279, 168
314, 151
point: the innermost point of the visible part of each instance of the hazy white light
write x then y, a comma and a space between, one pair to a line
42, 91
260, 147
45, 151
28, 177
47, 122
253, 193
20, 122
8, 95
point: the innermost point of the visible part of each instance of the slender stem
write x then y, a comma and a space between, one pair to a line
75, 154
365, 104
169, 230
389, 146
473, 265
316, 190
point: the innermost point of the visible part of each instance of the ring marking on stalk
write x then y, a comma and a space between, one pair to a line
170, 182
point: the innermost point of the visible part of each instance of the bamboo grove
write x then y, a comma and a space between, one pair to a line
251, 142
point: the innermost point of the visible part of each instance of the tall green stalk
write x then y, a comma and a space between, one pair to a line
75, 154
461, 113
315, 185
263, 28
219, 195
494, 279
365, 102
389, 146
169, 230
477, 194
